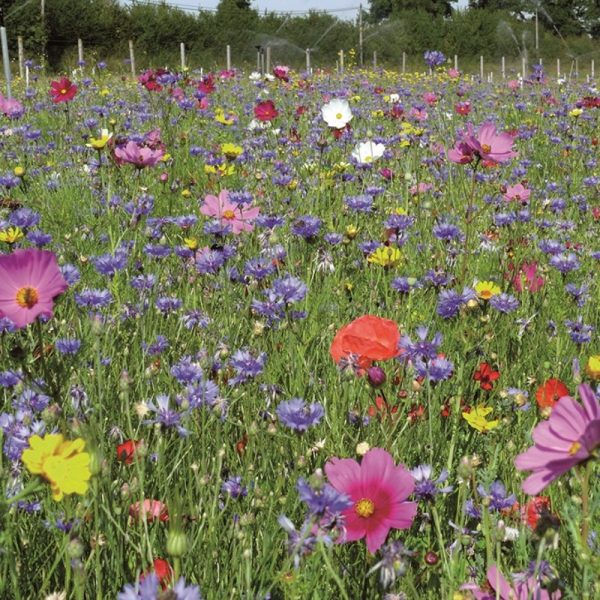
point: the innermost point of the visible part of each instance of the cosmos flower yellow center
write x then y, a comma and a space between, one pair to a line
364, 508
574, 449
27, 297
486, 148
63, 91
228, 214
339, 116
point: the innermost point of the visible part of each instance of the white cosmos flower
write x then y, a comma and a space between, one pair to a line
394, 98
337, 113
367, 152
255, 76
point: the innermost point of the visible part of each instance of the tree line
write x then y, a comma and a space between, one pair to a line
491, 28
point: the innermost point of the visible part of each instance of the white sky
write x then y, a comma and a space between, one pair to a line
347, 8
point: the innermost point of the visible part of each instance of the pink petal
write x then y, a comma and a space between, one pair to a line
498, 582
343, 473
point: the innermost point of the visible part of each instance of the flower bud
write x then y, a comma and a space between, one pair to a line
376, 376
177, 543
431, 558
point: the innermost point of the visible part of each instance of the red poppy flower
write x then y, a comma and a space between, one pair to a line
486, 376
537, 507
416, 412
126, 451
369, 338
265, 111
549, 393
163, 571
62, 90
381, 408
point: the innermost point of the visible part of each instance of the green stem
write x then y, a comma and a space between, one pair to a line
585, 502
468, 221
332, 572
440, 539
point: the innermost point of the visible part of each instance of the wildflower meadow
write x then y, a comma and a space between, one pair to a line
299, 335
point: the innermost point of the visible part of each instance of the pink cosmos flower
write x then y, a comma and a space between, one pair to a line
566, 439
430, 98
29, 281
282, 72
11, 108
62, 90
378, 489
517, 192
487, 145
150, 510
139, 156
421, 188
453, 73
527, 278
237, 217
265, 110
522, 589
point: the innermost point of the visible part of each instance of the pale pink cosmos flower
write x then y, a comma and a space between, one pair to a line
523, 588
29, 281
139, 156
517, 192
239, 218
527, 278
378, 490
487, 145
567, 438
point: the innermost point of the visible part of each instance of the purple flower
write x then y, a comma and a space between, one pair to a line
233, 487
565, 262
427, 488
68, 345
504, 303
421, 348
290, 289
93, 298
434, 58
450, 302
323, 500
580, 332
165, 416
298, 415
496, 498
246, 366
307, 227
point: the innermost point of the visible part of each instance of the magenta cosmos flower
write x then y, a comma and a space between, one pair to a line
487, 145
378, 490
238, 218
566, 439
29, 281
140, 156
523, 589
517, 192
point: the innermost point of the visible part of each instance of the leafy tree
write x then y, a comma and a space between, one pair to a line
382, 9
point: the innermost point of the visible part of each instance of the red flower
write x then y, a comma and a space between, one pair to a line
62, 90
265, 111
163, 571
368, 338
381, 408
549, 393
537, 507
486, 376
126, 451
207, 85
416, 412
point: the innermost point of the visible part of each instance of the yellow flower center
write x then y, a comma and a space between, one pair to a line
63, 91
228, 214
364, 508
485, 294
339, 116
486, 148
574, 449
27, 297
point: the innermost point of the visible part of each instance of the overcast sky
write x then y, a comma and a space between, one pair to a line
347, 8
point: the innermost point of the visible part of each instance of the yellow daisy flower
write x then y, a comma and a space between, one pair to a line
231, 151
100, 142
592, 367
11, 235
62, 463
486, 289
386, 256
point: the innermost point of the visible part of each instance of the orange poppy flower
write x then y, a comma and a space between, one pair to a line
550, 392
369, 338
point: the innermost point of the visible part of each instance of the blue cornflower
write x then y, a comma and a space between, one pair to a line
149, 589
143, 282
259, 268
580, 332
300, 542
438, 369
421, 348
195, 318
362, 203
6, 325
233, 487
39, 238
205, 393
290, 289
209, 262
399, 222
580, 294
158, 347
496, 497
565, 262
306, 226
93, 298
70, 273
68, 345
447, 232
246, 366
165, 416
185, 371
109, 264
168, 304
504, 303
24, 218
323, 500
553, 247
450, 302
405, 285
298, 415
427, 488
434, 58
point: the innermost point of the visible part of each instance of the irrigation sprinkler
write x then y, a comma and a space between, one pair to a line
5, 61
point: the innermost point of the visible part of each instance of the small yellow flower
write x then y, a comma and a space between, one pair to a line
62, 463
100, 142
592, 367
223, 170
165, 157
191, 243
19, 171
386, 256
231, 151
351, 231
221, 118
486, 289
11, 235
477, 419
576, 112
185, 193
